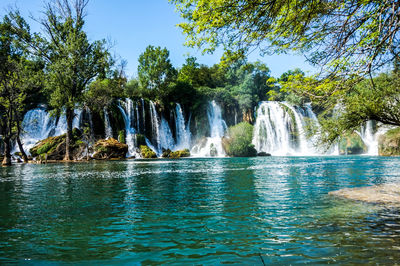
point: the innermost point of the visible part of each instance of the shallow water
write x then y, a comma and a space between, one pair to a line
198, 211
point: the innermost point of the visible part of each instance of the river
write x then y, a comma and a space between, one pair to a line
198, 211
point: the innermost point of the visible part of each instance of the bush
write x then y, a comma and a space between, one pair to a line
121, 136
238, 144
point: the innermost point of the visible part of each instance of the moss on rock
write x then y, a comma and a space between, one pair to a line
179, 154
53, 148
389, 143
110, 149
146, 152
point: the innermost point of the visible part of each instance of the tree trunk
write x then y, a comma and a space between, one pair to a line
21, 148
7, 151
70, 116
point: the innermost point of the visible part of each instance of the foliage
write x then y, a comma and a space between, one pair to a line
71, 61
103, 91
19, 79
239, 142
345, 36
121, 136
155, 70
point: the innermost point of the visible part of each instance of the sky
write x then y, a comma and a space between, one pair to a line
132, 25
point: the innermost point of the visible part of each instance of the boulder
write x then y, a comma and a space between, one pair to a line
263, 154
109, 149
166, 153
179, 154
389, 143
53, 148
146, 152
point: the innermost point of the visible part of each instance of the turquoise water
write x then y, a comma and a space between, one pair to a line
197, 211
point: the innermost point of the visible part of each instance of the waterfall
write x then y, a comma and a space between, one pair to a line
143, 115
161, 132
212, 146
166, 137
36, 125
107, 124
370, 136
182, 131
130, 130
155, 127
280, 129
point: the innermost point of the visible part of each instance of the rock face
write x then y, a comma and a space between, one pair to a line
352, 144
109, 149
53, 148
389, 143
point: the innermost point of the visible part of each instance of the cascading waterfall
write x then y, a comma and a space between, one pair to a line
370, 136
155, 126
161, 132
280, 129
38, 124
212, 146
107, 124
130, 140
182, 131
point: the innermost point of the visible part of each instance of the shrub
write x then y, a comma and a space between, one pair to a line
121, 136
238, 144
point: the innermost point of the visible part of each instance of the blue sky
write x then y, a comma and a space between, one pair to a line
132, 25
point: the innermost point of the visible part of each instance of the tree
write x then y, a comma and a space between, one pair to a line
344, 36
18, 76
72, 62
155, 70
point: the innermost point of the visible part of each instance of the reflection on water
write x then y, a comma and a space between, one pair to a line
238, 210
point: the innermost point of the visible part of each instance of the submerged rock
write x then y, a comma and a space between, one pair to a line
389, 143
110, 149
380, 194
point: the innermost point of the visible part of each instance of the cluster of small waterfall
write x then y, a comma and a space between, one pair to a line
279, 129
161, 137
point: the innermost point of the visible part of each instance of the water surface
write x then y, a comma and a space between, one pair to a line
197, 211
